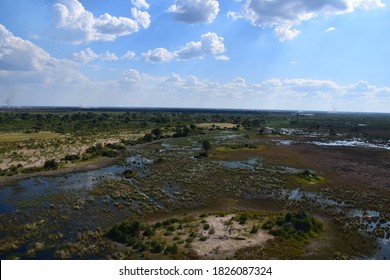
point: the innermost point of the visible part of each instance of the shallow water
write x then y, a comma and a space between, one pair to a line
36, 187
355, 142
5, 209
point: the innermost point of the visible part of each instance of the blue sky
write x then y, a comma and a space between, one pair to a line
329, 55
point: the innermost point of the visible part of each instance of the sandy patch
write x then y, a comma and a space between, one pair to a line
227, 238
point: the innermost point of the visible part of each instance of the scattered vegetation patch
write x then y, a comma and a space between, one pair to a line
308, 177
177, 238
243, 147
293, 225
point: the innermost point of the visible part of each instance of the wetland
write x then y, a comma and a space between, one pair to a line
142, 184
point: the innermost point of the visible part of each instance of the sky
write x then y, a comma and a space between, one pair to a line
326, 55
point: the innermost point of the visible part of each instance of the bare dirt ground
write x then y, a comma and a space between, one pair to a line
227, 239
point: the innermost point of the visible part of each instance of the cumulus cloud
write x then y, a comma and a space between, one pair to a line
195, 11
234, 15
87, 55
22, 63
17, 54
73, 23
84, 56
283, 16
158, 55
140, 4
128, 55
209, 44
142, 18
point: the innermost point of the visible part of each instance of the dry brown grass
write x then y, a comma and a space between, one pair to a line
220, 125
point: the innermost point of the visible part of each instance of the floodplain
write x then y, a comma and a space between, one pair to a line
193, 184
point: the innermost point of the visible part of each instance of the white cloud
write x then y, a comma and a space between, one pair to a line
236, 83
330, 29
109, 56
195, 11
158, 55
25, 65
222, 57
174, 79
87, 55
234, 15
140, 4
132, 76
283, 16
209, 44
75, 24
84, 56
142, 18
128, 55
17, 54
39, 79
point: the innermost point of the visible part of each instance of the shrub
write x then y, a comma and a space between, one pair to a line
268, 225
298, 225
148, 231
254, 229
203, 238
128, 174
127, 232
172, 249
157, 246
50, 164
242, 218
71, 157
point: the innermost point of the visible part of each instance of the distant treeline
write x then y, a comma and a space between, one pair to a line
95, 120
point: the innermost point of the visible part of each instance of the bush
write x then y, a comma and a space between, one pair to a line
203, 238
115, 146
254, 229
172, 249
242, 218
50, 164
71, 157
128, 174
148, 231
127, 232
298, 225
157, 246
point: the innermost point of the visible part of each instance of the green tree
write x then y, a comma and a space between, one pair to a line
206, 145
157, 133
50, 164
